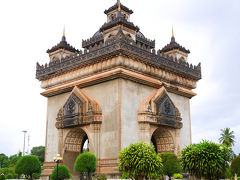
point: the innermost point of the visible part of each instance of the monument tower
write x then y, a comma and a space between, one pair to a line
118, 90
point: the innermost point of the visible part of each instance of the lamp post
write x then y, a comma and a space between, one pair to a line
2, 176
57, 159
24, 142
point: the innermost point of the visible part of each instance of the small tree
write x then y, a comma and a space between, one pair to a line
140, 160
205, 159
227, 137
63, 173
235, 166
86, 163
28, 165
171, 164
40, 152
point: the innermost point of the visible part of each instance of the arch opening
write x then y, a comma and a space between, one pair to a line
162, 140
75, 142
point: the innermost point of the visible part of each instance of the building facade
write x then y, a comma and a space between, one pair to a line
118, 90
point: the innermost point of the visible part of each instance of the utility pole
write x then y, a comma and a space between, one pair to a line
24, 141
28, 144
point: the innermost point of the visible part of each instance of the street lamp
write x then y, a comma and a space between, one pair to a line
57, 159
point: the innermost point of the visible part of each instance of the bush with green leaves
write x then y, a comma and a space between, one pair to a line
86, 163
9, 176
100, 177
28, 165
171, 164
206, 159
140, 160
63, 173
177, 176
235, 166
125, 175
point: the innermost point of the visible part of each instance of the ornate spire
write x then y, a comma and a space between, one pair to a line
63, 37
173, 38
119, 5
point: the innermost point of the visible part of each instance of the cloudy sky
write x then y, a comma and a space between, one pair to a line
209, 28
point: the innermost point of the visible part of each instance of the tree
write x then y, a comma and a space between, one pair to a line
205, 159
4, 162
14, 158
86, 163
40, 152
28, 165
171, 164
227, 137
140, 160
63, 173
235, 166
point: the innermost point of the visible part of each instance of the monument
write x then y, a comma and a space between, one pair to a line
118, 90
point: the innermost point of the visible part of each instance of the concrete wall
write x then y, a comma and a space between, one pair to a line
53, 105
106, 94
120, 101
132, 96
183, 105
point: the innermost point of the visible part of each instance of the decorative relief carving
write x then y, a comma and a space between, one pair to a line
74, 140
160, 110
164, 140
128, 48
78, 110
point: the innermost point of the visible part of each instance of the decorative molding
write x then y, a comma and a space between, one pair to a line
159, 109
113, 49
78, 110
114, 74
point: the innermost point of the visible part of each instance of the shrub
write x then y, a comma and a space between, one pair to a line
101, 177
9, 176
28, 165
177, 176
235, 166
205, 159
171, 164
140, 160
86, 163
36, 175
125, 175
63, 173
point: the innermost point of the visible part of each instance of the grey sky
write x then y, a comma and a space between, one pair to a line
209, 28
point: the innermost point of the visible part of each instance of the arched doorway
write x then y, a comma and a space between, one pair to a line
75, 143
162, 140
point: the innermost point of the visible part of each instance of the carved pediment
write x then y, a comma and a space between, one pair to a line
73, 106
165, 107
160, 109
79, 109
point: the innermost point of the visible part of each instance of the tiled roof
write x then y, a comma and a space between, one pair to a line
119, 20
115, 6
174, 45
63, 45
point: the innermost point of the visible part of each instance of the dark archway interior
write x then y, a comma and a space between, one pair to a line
153, 140
84, 145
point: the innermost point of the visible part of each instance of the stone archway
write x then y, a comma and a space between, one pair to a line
162, 140
73, 146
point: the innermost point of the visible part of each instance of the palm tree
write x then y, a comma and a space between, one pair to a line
227, 137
